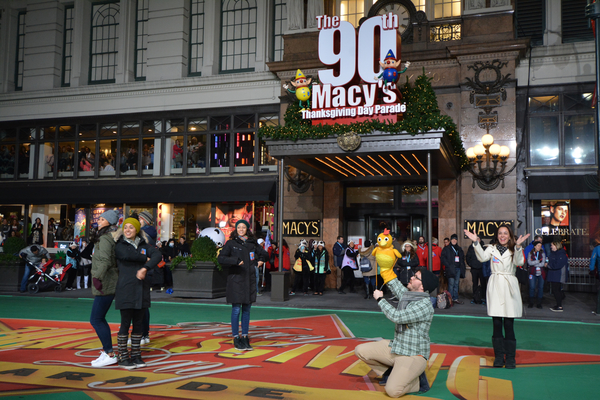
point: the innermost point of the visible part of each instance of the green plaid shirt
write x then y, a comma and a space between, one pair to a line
414, 339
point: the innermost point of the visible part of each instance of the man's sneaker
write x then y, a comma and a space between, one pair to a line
145, 340
457, 301
246, 342
556, 309
238, 343
385, 376
104, 360
127, 364
138, 362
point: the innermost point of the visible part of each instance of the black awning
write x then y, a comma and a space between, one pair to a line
559, 187
152, 190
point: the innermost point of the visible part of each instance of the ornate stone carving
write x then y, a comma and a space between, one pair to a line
487, 90
349, 141
298, 180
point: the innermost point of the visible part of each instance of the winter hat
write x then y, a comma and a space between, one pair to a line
409, 243
134, 222
303, 243
368, 243
454, 236
429, 280
151, 232
242, 221
321, 243
146, 216
111, 216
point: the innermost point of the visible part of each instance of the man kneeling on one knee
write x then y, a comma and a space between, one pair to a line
402, 361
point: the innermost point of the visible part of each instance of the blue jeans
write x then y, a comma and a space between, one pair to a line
98, 320
453, 284
370, 280
235, 318
536, 282
25, 278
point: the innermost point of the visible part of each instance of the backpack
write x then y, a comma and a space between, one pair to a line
444, 300
365, 264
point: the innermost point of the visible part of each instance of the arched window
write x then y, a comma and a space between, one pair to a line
238, 35
104, 43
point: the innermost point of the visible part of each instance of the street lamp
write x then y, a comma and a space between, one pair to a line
488, 177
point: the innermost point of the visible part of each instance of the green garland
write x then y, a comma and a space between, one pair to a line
422, 115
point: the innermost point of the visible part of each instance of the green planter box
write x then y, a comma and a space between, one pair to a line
204, 281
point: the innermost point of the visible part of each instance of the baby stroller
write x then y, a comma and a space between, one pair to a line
42, 280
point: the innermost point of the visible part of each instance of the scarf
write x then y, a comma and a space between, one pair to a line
407, 298
243, 238
501, 249
135, 243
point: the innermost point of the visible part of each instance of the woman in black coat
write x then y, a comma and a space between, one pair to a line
135, 257
241, 254
407, 263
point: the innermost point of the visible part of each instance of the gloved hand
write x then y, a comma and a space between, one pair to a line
97, 284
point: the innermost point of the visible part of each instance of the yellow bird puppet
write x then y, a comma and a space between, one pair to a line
386, 256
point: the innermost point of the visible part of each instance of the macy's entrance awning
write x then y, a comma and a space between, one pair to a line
380, 156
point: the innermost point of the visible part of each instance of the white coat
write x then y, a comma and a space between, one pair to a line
503, 292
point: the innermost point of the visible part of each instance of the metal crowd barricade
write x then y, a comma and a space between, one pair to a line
579, 277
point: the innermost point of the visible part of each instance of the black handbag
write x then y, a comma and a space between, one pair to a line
522, 275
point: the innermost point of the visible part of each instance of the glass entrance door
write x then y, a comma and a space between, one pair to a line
402, 227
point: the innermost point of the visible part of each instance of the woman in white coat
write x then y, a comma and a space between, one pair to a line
504, 302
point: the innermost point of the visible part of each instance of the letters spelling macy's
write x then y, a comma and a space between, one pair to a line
485, 229
301, 228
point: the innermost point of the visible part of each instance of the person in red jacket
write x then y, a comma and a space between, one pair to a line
422, 252
436, 254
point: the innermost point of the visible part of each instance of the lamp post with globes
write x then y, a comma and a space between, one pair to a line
488, 177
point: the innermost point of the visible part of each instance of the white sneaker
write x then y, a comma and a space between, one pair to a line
145, 340
104, 360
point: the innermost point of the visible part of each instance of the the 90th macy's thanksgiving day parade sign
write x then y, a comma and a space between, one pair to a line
360, 83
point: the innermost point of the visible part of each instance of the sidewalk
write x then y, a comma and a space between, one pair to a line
577, 306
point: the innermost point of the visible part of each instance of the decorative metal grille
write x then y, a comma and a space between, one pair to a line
238, 35
67, 47
445, 33
141, 40
104, 42
196, 37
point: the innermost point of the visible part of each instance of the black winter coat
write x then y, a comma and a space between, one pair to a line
472, 260
241, 279
131, 292
407, 267
448, 255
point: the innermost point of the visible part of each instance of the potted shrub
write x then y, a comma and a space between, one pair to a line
11, 265
199, 275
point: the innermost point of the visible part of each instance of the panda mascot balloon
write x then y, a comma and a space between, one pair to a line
216, 235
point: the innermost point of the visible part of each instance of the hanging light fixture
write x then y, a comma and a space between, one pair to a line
489, 175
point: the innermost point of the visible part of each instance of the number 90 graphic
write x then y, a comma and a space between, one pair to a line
352, 56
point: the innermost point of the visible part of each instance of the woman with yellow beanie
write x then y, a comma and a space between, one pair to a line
135, 257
